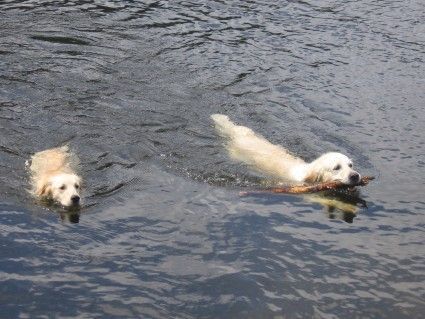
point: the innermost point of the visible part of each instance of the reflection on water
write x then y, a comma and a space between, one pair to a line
340, 205
72, 217
336, 204
163, 232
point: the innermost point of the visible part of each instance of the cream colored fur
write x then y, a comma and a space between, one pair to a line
246, 146
53, 176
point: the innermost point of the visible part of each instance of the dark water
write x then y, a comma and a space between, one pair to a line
163, 232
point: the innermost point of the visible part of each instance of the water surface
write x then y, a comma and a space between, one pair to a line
163, 232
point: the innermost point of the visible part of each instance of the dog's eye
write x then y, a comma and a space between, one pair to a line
63, 187
350, 165
338, 167
77, 186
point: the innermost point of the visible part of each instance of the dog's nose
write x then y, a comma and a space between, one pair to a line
354, 177
75, 199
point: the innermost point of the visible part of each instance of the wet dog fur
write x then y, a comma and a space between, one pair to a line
244, 145
53, 176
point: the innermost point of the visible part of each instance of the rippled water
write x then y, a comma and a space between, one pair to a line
163, 232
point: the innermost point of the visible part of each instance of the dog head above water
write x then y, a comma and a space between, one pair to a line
332, 167
63, 188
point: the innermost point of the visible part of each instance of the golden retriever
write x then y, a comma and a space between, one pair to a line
246, 146
53, 176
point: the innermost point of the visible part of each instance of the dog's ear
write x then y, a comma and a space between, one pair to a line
312, 177
45, 190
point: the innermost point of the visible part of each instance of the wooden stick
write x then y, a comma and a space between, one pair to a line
309, 189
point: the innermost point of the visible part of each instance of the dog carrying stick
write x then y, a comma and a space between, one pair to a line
309, 189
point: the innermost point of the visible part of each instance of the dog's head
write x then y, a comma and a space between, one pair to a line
332, 167
63, 188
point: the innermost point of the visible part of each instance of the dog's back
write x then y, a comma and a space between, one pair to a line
246, 146
51, 161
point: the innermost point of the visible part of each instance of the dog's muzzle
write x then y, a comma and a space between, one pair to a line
75, 200
354, 178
